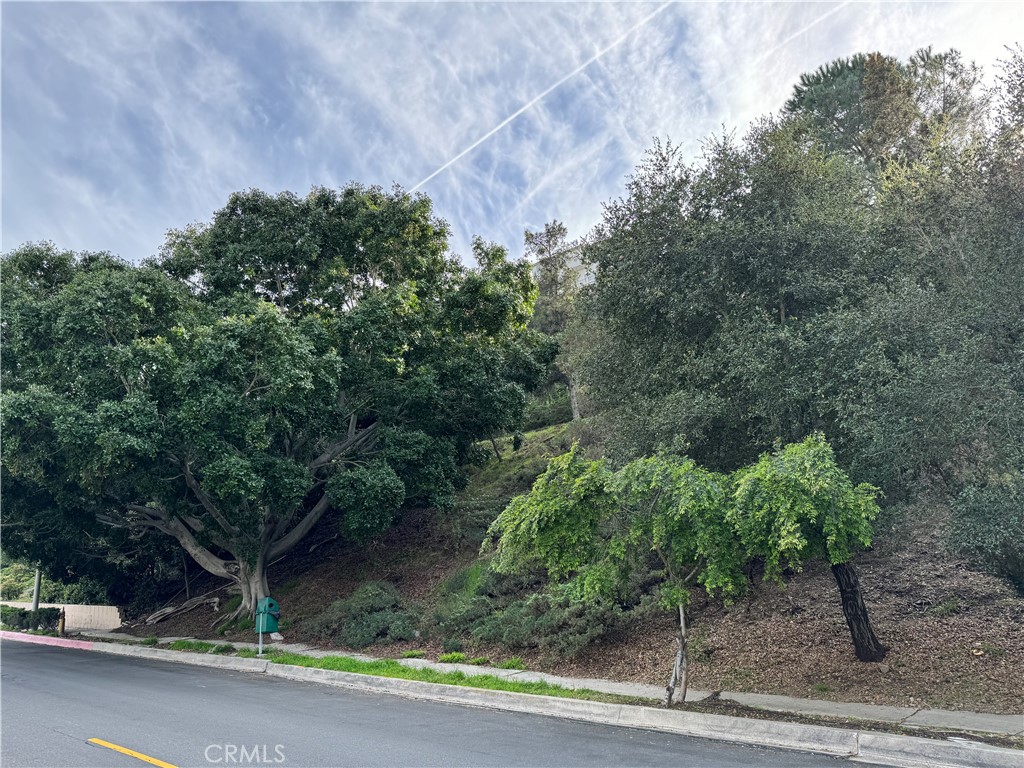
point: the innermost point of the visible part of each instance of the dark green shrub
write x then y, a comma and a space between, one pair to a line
551, 622
374, 613
12, 617
150, 641
988, 527
474, 593
23, 618
451, 645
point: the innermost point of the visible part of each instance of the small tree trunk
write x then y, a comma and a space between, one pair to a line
678, 683
184, 567
574, 401
865, 644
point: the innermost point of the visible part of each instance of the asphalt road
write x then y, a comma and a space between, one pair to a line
52, 700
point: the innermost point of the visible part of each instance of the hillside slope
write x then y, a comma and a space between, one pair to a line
954, 633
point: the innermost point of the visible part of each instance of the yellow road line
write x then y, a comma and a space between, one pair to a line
132, 753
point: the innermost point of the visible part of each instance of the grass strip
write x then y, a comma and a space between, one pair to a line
191, 645
391, 668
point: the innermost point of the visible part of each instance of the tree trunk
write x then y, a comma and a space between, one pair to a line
252, 581
865, 644
574, 401
677, 684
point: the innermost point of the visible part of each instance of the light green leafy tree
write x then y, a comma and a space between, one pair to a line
594, 527
796, 504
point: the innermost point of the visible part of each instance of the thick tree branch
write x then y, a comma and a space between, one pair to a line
295, 535
284, 522
207, 503
199, 553
354, 442
158, 518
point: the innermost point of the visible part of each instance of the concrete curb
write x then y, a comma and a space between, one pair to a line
913, 752
258, 666
866, 746
911, 717
63, 642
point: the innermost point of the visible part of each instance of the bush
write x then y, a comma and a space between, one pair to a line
150, 641
550, 621
512, 663
414, 654
85, 591
11, 617
489, 607
452, 658
988, 527
374, 613
474, 593
21, 618
451, 645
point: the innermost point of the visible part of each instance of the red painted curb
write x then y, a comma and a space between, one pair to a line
63, 642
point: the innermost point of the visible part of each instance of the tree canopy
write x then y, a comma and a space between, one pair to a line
293, 360
782, 286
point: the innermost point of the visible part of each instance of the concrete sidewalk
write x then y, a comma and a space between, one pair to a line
972, 722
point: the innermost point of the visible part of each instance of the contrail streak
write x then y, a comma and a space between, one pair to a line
692, 101
617, 41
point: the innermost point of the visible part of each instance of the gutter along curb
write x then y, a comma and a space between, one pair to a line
865, 746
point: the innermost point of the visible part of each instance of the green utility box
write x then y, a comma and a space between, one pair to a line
268, 614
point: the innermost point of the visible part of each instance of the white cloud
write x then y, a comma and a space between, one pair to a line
123, 120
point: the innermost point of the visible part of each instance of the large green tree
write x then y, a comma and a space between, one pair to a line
296, 359
781, 285
880, 109
707, 278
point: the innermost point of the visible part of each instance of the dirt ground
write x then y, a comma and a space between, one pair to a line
955, 635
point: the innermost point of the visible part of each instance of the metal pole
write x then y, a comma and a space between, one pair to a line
261, 645
35, 590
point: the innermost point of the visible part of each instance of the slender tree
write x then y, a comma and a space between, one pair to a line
796, 504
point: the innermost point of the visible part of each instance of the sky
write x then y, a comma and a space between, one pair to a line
120, 121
